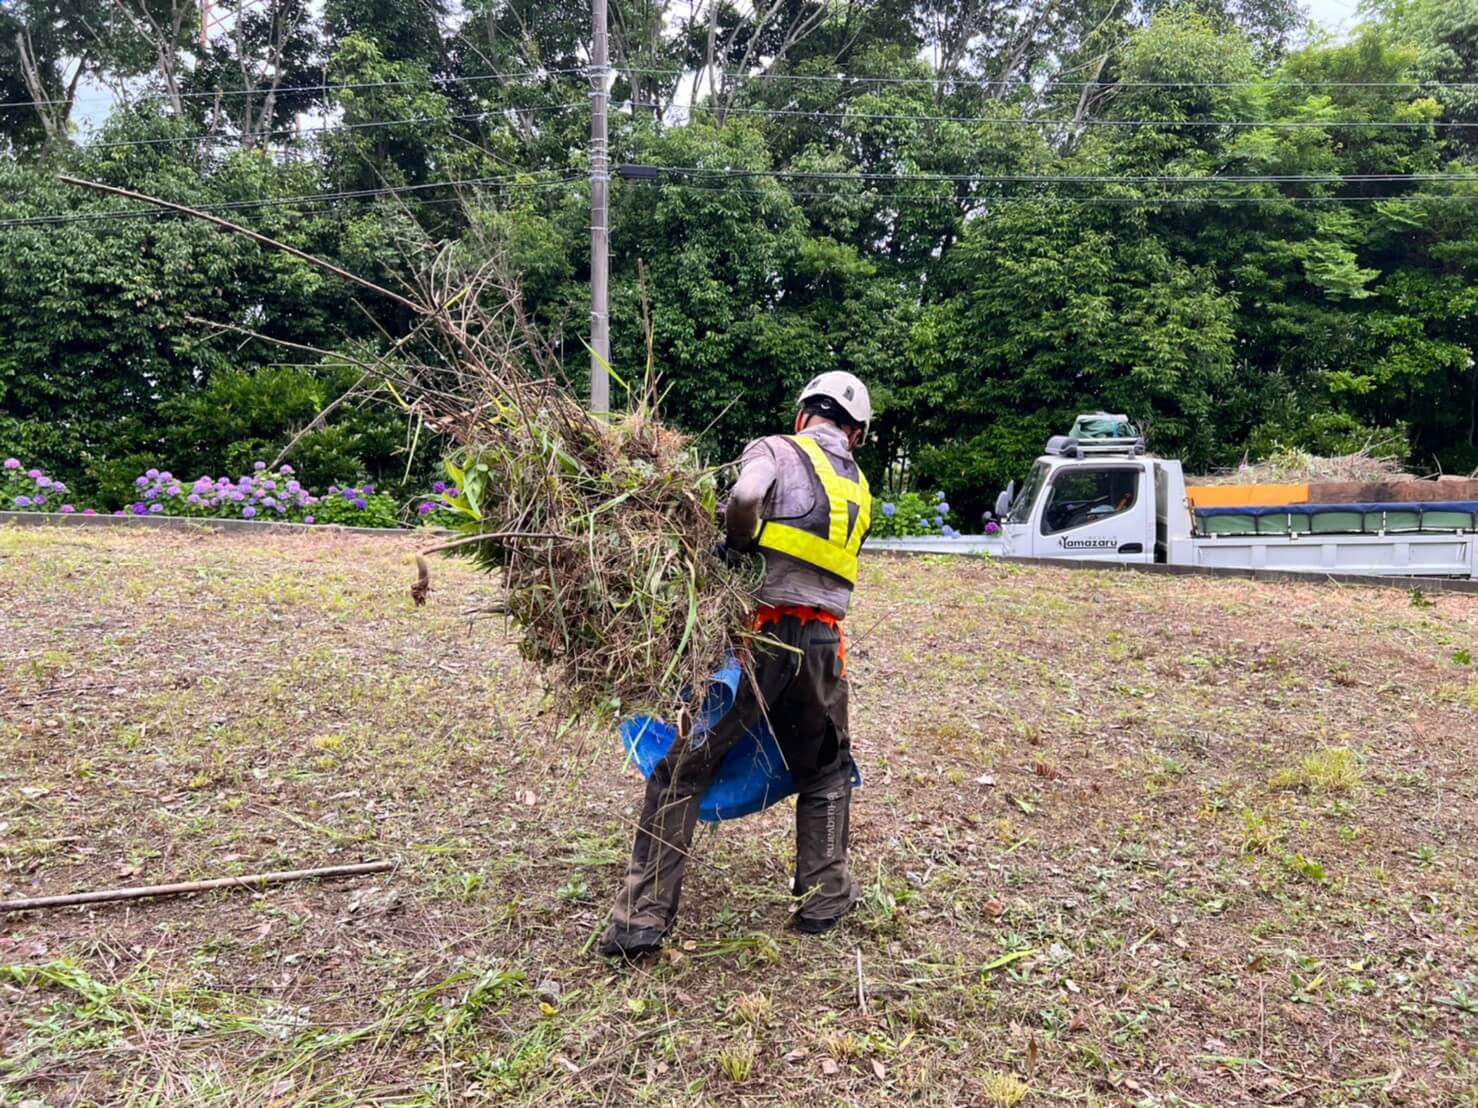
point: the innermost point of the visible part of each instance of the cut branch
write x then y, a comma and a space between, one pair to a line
255, 236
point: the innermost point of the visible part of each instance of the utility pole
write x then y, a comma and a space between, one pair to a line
600, 215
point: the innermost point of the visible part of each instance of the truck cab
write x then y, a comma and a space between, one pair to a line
1105, 502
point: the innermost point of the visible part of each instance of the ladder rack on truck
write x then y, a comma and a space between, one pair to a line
1122, 505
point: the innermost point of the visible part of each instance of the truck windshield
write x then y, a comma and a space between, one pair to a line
1021, 508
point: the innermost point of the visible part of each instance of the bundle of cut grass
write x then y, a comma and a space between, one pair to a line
1298, 466
603, 533
602, 528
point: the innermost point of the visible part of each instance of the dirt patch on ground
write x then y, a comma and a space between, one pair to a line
1125, 839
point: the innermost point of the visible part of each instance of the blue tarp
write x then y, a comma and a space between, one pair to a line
1311, 509
754, 774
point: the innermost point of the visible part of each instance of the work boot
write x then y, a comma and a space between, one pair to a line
820, 925
629, 943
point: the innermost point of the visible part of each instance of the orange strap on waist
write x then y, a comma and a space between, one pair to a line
774, 613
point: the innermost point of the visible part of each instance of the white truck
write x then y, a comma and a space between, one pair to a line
1109, 501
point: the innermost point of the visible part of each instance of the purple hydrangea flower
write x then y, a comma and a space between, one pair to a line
269, 502
151, 473
438, 486
39, 501
92, 512
889, 510
22, 501
369, 490
193, 498
426, 507
43, 482
293, 486
140, 510
58, 487
155, 509
307, 519
141, 482
12, 463
452, 492
286, 470
33, 474
992, 527
248, 512
259, 466
360, 502
67, 509
333, 489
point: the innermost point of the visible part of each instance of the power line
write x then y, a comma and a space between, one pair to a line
280, 201
332, 128
840, 78
327, 87
1089, 201
1382, 124
983, 82
1052, 178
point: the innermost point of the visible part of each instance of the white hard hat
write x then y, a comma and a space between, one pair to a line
847, 391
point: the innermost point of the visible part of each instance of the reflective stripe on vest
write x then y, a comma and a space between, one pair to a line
836, 551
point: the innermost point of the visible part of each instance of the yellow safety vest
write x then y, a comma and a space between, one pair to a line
836, 551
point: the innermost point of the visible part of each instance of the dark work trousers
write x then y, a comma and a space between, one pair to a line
803, 691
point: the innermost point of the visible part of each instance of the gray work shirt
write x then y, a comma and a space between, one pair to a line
774, 471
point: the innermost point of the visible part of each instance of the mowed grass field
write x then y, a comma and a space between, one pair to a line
1125, 840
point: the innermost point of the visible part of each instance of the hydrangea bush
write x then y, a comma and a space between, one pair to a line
913, 513
261, 494
357, 506
31, 490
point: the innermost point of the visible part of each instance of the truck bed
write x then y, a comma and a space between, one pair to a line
1388, 555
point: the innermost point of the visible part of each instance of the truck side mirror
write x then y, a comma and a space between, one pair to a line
1003, 502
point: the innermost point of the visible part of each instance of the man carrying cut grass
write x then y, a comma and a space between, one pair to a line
803, 503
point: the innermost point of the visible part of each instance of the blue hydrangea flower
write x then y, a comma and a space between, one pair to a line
889, 510
939, 495
943, 507
248, 512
